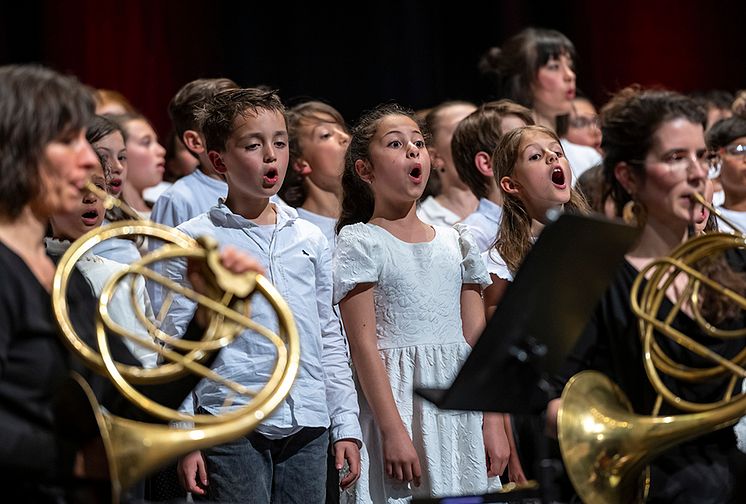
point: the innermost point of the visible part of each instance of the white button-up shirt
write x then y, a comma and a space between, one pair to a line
297, 260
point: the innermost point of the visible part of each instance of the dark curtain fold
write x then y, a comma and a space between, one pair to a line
415, 52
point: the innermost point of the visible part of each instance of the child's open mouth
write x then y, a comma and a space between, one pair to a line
416, 174
116, 185
90, 218
271, 177
558, 177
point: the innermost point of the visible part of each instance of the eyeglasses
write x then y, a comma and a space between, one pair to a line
584, 122
736, 150
679, 162
714, 164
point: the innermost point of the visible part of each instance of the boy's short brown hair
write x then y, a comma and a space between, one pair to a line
480, 132
217, 114
187, 100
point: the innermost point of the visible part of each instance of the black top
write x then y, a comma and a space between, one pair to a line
33, 366
36, 459
700, 470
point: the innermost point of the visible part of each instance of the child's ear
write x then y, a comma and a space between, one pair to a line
436, 161
301, 167
626, 177
364, 170
193, 141
217, 162
508, 185
483, 162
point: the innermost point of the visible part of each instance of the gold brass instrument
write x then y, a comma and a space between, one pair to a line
606, 448
135, 449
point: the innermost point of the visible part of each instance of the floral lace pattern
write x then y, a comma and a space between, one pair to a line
421, 342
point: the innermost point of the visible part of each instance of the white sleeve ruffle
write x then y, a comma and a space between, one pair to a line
473, 270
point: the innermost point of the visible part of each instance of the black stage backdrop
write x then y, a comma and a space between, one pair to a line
357, 54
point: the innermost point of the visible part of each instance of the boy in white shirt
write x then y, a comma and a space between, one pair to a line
247, 142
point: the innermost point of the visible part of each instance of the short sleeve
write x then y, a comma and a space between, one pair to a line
495, 265
357, 259
740, 428
472, 266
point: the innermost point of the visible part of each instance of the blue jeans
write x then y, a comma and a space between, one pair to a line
255, 469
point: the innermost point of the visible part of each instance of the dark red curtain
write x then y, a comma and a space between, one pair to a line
415, 52
144, 49
684, 45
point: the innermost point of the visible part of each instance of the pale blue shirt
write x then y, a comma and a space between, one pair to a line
296, 257
324, 223
189, 197
484, 223
120, 250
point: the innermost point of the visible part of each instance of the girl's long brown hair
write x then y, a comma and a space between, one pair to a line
514, 236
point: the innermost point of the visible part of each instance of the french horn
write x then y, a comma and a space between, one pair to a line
134, 448
607, 448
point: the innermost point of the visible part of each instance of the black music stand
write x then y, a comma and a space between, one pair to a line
543, 312
540, 316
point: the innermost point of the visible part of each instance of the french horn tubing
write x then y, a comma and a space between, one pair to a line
606, 448
134, 448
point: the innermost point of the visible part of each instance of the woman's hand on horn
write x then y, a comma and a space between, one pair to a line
232, 259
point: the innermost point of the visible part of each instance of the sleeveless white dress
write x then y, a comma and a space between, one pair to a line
421, 342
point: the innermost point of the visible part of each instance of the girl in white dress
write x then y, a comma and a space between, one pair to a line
409, 294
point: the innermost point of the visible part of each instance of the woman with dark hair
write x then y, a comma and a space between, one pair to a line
727, 142
656, 160
536, 68
45, 165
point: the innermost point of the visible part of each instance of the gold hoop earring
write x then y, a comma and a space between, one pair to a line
634, 213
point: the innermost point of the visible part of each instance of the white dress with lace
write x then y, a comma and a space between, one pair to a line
420, 340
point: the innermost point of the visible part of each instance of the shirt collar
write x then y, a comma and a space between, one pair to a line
218, 184
489, 209
222, 216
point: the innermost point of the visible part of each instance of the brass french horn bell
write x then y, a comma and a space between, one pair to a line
605, 446
134, 449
